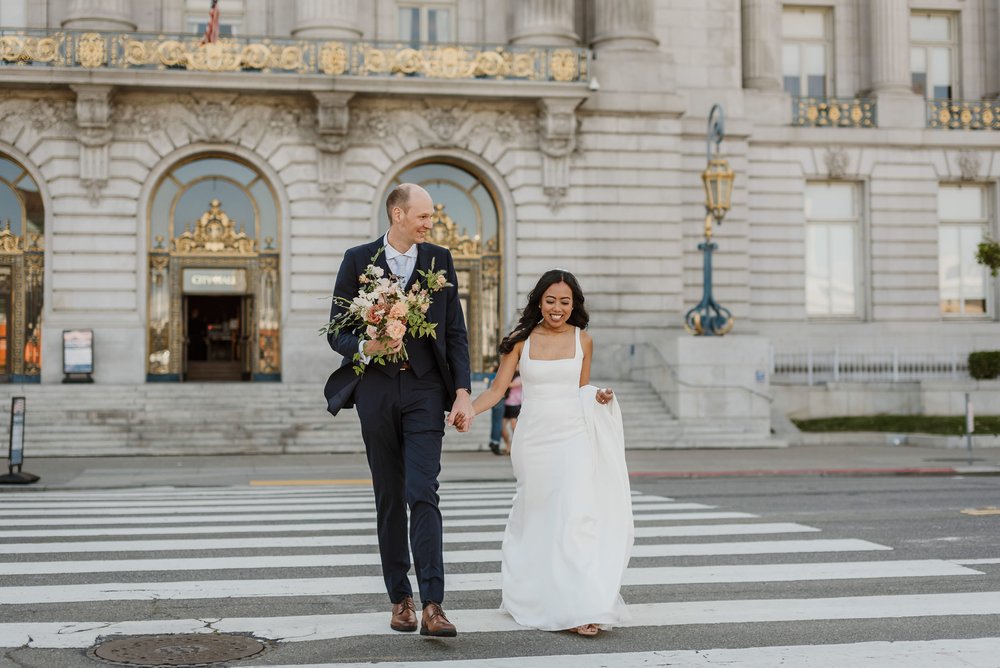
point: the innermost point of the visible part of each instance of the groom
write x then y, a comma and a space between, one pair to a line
402, 406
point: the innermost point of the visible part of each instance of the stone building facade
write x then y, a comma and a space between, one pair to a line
191, 203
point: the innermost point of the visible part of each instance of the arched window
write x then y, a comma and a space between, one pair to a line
214, 309
22, 255
467, 221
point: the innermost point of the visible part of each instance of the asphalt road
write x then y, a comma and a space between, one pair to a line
912, 560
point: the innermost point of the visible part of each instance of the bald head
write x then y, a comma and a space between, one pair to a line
400, 197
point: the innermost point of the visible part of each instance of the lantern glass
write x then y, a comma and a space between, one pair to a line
718, 179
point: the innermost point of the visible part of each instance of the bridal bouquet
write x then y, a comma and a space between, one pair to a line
383, 311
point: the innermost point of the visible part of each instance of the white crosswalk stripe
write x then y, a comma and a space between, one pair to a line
91, 551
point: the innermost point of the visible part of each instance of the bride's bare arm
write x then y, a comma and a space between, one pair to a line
496, 390
587, 344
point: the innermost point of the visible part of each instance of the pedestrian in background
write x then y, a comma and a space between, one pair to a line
511, 409
496, 418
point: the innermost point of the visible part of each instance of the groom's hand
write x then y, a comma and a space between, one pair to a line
461, 411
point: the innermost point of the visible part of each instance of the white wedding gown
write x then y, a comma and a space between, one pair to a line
570, 531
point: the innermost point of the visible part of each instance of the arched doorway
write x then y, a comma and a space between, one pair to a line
214, 309
467, 221
22, 273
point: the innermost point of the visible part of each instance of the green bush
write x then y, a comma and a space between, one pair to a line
984, 365
988, 255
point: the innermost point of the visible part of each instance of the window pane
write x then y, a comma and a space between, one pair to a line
932, 28
940, 72
10, 209
918, 82
801, 23
829, 201
817, 85
10, 170
792, 86
973, 275
817, 270
815, 67
438, 25
841, 263
13, 13
409, 24
960, 203
949, 270
918, 60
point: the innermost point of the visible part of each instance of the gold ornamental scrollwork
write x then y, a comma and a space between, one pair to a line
24, 49
562, 64
92, 50
221, 56
333, 58
215, 234
445, 233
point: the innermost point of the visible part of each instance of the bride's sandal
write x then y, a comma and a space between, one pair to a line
589, 630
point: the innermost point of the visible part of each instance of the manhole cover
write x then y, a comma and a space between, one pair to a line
187, 649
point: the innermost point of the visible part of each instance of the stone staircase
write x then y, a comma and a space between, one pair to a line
248, 418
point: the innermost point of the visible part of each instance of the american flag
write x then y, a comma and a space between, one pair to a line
212, 29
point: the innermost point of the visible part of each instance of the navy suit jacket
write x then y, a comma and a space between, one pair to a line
451, 347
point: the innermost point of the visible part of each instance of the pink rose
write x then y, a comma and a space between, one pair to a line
398, 311
371, 332
395, 330
374, 316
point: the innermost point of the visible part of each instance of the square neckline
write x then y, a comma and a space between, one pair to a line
576, 348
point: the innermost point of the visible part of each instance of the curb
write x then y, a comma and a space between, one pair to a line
761, 473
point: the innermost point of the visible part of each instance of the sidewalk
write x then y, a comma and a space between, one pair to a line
341, 469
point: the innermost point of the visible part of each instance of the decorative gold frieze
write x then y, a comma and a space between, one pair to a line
445, 233
19, 48
563, 65
834, 112
92, 50
333, 58
963, 114
96, 50
214, 234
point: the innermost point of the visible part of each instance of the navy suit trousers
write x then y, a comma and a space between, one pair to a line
402, 423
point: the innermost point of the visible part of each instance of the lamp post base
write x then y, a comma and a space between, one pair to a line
19, 478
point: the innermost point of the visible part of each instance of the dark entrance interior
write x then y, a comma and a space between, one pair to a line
216, 338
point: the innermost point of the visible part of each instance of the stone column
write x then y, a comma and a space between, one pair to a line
889, 27
100, 15
544, 22
327, 19
624, 25
889, 45
762, 45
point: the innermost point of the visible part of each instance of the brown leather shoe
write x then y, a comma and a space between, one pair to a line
404, 615
434, 623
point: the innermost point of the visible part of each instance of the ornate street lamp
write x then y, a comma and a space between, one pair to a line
708, 318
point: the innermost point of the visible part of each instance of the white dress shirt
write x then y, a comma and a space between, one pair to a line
401, 264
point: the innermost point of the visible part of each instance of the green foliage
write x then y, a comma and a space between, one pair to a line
988, 255
951, 425
984, 365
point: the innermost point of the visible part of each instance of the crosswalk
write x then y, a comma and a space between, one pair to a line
300, 564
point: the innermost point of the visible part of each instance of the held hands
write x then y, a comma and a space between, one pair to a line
462, 412
604, 396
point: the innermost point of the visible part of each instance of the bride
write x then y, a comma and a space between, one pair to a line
570, 529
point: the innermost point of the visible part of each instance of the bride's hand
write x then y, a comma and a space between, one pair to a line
604, 396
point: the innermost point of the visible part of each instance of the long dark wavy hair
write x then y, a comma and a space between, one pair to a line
532, 313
